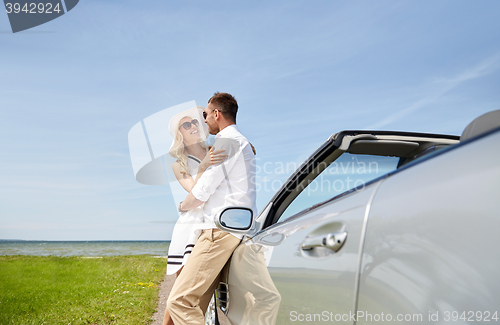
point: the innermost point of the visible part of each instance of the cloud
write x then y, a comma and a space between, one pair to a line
440, 86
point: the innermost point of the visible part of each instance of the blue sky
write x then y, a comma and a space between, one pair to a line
71, 89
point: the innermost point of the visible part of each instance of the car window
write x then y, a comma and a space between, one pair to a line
345, 173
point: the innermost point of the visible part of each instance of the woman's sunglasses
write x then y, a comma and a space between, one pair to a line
187, 125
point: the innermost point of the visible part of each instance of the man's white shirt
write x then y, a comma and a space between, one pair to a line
231, 183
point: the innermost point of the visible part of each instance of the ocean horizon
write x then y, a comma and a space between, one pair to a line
90, 248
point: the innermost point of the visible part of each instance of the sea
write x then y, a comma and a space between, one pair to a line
83, 248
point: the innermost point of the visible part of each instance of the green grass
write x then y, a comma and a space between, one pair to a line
75, 290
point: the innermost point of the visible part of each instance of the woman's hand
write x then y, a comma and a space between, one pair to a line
212, 158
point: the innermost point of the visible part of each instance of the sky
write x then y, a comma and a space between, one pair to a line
71, 89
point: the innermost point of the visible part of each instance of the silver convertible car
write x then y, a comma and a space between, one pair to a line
375, 227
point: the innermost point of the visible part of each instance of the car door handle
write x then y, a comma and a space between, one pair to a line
333, 241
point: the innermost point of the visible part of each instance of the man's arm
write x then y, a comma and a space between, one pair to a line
212, 177
190, 203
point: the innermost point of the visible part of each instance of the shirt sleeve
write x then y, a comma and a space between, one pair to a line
214, 175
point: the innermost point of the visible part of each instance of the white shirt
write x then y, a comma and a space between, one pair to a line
231, 183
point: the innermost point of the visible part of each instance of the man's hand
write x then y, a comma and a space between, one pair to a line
190, 203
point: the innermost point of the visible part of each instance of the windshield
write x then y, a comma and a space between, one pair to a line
345, 173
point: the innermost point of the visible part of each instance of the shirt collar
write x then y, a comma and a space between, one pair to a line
227, 130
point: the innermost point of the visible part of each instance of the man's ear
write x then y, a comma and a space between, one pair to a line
217, 115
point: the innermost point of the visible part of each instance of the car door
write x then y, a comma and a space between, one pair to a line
317, 282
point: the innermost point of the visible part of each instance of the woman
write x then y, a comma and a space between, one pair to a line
192, 159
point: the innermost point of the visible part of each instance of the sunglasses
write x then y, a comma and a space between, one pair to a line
187, 125
205, 114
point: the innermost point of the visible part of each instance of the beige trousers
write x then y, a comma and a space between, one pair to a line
254, 297
195, 285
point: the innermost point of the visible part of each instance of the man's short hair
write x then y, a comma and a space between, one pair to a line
226, 104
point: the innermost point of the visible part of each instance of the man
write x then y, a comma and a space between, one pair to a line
230, 183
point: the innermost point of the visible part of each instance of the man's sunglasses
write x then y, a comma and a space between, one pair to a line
187, 125
205, 114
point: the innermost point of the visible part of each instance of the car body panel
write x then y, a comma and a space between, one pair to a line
432, 239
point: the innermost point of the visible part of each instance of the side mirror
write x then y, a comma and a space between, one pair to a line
236, 220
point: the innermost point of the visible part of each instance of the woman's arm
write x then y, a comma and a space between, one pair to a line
185, 180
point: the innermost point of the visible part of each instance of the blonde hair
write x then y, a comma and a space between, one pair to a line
179, 151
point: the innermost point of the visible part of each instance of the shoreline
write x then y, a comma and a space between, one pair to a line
84, 248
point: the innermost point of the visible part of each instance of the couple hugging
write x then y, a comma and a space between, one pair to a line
214, 178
